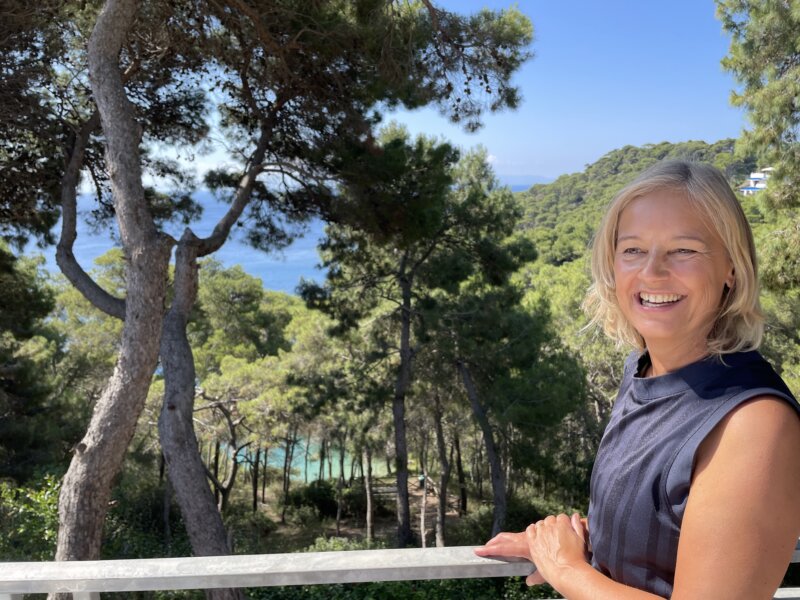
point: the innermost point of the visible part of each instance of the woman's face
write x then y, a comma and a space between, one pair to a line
670, 271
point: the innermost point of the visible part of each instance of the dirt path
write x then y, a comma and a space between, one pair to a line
385, 528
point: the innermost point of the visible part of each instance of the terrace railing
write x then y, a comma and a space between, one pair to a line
86, 579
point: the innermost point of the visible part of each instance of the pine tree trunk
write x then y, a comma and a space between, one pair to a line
287, 467
340, 483
424, 498
176, 426
353, 467
305, 462
444, 474
462, 481
322, 447
97, 459
496, 469
256, 462
264, 476
404, 536
215, 470
368, 492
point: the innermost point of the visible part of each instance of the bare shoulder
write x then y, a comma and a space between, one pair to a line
755, 447
756, 428
742, 504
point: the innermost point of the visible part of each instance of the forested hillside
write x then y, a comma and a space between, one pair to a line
562, 215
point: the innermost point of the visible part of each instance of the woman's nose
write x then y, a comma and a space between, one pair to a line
655, 266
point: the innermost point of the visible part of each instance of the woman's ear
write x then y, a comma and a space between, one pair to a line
731, 279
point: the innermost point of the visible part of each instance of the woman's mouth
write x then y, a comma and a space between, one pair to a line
658, 300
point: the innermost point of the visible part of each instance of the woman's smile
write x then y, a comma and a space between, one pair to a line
670, 272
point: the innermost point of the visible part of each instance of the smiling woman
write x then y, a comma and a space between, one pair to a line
702, 449
693, 204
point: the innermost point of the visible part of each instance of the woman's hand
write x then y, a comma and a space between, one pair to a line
557, 544
510, 544
529, 545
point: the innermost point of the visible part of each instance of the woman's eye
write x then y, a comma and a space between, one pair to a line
631, 250
684, 251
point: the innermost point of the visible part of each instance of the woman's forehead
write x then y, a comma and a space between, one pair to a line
662, 206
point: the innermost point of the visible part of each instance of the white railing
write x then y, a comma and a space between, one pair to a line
86, 579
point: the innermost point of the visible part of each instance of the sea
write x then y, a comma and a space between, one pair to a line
280, 270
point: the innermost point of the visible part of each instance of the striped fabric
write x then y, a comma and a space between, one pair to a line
640, 482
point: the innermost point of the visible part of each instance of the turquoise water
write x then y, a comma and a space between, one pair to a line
276, 457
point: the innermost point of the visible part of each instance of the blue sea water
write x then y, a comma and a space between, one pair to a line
280, 270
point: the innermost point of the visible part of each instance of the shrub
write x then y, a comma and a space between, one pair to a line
135, 525
319, 495
476, 527
331, 544
512, 588
302, 516
29, 520
249, 530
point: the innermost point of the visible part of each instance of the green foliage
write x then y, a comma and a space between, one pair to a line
137, 519
337, 544
511, 588
476, 527
765, 59
29, 520
249, 530
782, 339
33, 416
257, 330
26, 298
318, 495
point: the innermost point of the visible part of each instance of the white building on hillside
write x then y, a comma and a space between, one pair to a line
756, 182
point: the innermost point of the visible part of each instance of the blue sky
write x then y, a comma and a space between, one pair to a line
605, 74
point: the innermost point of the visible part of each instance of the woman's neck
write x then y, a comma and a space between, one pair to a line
668, 358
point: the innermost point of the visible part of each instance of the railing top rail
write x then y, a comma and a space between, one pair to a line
262, 570
306, 568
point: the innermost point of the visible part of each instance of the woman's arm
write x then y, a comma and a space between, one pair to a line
742, 521
738, 532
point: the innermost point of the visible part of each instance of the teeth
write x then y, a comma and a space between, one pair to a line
659, 298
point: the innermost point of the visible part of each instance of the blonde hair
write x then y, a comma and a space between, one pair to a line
740, 322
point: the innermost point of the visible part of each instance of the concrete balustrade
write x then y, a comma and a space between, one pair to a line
86, 579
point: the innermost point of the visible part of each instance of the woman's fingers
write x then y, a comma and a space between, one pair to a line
577, 525
505, 544
546, 543
534, 578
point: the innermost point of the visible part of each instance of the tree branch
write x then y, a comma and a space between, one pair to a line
65, 258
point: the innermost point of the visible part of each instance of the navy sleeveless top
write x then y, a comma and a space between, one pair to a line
643, 469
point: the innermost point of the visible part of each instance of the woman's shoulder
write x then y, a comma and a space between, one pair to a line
747, 374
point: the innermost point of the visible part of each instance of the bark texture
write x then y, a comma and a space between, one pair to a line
404, 536
492, 455
462, 480
185, 467
176, 430
368, 491
86, 488
445, 466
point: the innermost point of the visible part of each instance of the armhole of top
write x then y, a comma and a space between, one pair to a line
678, 472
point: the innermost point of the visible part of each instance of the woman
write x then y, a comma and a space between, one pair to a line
695, 488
